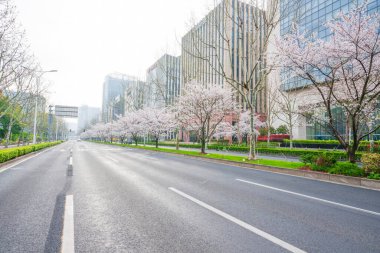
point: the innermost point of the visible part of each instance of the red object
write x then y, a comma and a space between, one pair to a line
274, 137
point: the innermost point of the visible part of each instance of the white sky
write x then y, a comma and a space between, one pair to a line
87, 39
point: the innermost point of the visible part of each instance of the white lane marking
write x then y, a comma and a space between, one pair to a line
68, 226
243, 224
71, 161
24, 160
310, 197
114, 160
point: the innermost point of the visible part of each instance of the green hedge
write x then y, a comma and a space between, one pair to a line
11, 153
339, 155
333, 144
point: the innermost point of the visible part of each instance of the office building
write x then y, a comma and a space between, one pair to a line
114, 88
163, 81
223, 48
134, 95
87, 116
311, 17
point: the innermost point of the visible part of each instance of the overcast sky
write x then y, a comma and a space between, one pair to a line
87, 39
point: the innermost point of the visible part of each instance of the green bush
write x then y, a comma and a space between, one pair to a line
373, 175
326, 159
371, 162
323, 161
308, 158
347, 169
316, 167
338, 154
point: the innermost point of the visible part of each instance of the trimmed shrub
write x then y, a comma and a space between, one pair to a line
347, 169
11, 153
371, 162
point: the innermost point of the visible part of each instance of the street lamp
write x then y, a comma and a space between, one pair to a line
36, 102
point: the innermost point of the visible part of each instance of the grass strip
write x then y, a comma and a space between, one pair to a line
274, 163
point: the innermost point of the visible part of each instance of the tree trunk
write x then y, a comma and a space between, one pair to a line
252, 138
135, 139
177, 140
268, 137
8, 133
351, 154
156, 142
203, 146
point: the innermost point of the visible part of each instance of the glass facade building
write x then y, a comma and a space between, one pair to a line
311, 16
223, 48
114, 87
163, 81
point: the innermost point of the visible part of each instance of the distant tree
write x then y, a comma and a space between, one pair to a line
282, 129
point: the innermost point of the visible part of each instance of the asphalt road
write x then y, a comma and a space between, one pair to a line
125, 200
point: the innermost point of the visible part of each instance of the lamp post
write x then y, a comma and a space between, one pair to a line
36, 103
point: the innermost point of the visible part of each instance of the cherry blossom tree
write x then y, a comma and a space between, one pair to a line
342, 71
99, 131
243, 126
202, 108
121, 128
157, 122
134, 124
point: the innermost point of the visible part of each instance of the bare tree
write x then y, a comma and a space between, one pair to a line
288, 112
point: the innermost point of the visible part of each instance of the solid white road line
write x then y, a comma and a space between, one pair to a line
26, 159
310, 197
68, 226
243, 224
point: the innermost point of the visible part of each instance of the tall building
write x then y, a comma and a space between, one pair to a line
134, 95
223, 48
114, 88
163, 81
310, 16
87, 116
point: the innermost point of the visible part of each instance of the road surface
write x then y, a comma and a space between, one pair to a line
124, 200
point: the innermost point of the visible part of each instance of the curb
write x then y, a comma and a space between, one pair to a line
314, 175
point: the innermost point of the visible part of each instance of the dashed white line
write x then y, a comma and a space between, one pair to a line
71, 161
114, 160
310, 197
68, 226
241, 223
